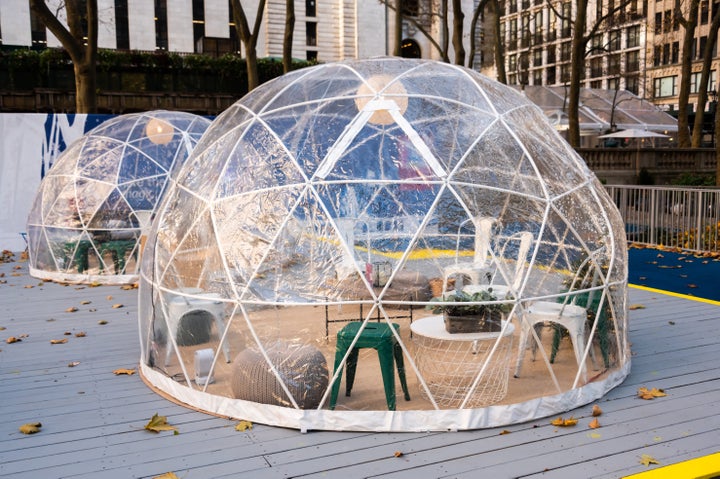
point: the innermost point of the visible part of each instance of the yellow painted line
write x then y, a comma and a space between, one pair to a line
676, 295
707, 467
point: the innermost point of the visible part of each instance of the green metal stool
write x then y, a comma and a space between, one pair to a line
378, 336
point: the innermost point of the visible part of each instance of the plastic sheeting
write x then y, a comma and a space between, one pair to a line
93, 209
325, 222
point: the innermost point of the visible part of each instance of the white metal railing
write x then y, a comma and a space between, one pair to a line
682, 217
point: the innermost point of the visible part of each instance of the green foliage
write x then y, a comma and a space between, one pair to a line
141, 71
460, 303
691, 179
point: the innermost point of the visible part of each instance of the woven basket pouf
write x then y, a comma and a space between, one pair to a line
303, 369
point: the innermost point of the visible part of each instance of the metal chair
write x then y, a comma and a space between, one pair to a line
200, 302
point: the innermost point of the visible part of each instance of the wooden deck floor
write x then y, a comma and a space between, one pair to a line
93, 421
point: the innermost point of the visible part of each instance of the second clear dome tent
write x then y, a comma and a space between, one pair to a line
93, 208
335, 203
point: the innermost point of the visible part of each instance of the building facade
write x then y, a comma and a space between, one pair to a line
537, 37
325, 30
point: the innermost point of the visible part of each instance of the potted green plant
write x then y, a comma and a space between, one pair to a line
470, 313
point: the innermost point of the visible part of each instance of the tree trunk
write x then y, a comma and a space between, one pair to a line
80, 45
85, 88
499, 43
445, 31
288, 37
689, 25
697, 132
397, 37
577, 65
249, 38
457, 36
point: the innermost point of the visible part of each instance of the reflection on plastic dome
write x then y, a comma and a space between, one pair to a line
378, 245
94, 207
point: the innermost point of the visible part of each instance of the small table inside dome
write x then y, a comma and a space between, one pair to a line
450, 362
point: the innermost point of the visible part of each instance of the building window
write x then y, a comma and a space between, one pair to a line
614, 64
632, 61
161, 26
537, 77
614, 43
657, 55
667, 21
311, 34
703, 42
551, 57
198, 13
695, 82
675, 55
565, 51
666, 54
122, 34
537, 58
410, 8
665, 87
658, 23
613, 84
632, 84
310, 8
596, 67
512, 63
566, 22
311, 55
551, 76
597, 84
704, 12
633, 36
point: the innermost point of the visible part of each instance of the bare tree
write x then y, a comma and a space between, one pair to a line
491, 8
697, 131
457, 35
288, 37
82, 49
397, 50
421, 22
249, 38
581, 36
688, 22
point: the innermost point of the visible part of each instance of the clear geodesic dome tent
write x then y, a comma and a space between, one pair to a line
94, 207
304, 278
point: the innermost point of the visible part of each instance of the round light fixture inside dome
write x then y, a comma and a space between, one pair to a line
159, 132
385, 87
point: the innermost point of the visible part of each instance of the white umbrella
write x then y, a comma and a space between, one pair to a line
634, 133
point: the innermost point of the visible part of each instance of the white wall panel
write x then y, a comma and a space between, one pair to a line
217, 13
15, 22
180, 26
107, 37
141, 24
56, 6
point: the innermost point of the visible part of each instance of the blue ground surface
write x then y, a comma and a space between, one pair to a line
679, 272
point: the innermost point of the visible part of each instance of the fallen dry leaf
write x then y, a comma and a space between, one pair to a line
504, 431
73, 364
95, 284
71, 309
167, 475
28, 286
85, 302
117, 306
17, 267
109, 297
647, 459
636, 306
129, 372
596, 411
243, 426
560, 422
12, 339
159, 423
92, 310
594, 424
102, 321
58, 341
67, 333
128, 287
398, 454
30, 428
645, 393
80, 334
2, 328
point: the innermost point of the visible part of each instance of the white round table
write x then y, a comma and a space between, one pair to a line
450, 363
